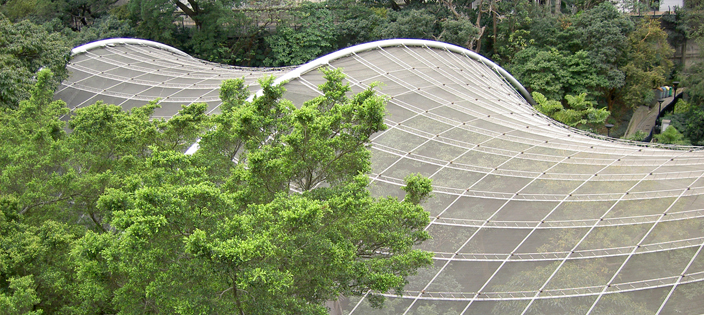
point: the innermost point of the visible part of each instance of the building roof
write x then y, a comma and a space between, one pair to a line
528, 215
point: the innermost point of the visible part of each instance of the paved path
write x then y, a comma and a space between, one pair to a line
644, 118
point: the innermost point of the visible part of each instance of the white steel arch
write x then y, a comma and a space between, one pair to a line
123, 41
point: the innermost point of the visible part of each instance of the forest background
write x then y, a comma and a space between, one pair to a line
556, 48
103, 214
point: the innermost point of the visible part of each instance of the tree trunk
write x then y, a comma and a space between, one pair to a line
394, 5
238, 304
191, 12
479, 41
610, 99
558, 7
683, 57
481, 29
493, 13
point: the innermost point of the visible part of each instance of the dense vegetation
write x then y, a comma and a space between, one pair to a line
556, 48
103, 213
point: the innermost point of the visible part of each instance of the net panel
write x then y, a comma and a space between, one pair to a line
128, 73
528, 216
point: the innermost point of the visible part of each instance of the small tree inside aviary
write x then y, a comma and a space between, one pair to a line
579, 113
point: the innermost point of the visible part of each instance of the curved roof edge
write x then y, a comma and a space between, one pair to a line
134, 41
329, 57
405, 42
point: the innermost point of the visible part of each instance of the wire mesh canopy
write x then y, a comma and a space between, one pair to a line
528, 216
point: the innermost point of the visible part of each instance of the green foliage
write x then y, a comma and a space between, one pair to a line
604, 34
356, 23
25, 48
105, 27
71, 14
570, 54
303, 33
639, 135
599, 51
682, 107
35, 269
580, 110
317, 29
694, 83
35, 266
30, 151
671, 136
689, 116
545, 105
417, 188
556, 73
457, 31
648, 62
155, 20
423, 23
219, 33
114, 217
412, 23
294, 46
691, 123
23, 297
509, 46
244, 239
694, 130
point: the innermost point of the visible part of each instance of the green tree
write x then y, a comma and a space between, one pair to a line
70, 14
32, 149
428, 23
36, 273
648, 64
671, 136
223, 231
682, 107
581, 112
23, 297
200, 12
105, 27
25, 48
156, 20
639, 135
114, 217
50, 182
357, 23
694, 130
690, 120
689, 117
695, 84
555, 73
571, 54
604, 35
314, 34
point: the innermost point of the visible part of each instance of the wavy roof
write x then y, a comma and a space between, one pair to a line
528, 216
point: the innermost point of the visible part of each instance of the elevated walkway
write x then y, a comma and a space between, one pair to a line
645, 117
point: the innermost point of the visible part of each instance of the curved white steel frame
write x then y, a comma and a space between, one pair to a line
324, 60
122, 41
532, 136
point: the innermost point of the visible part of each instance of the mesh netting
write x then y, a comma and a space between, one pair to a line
528, 216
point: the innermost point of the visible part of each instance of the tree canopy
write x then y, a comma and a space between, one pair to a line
580, 111
272, 215
24, 49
